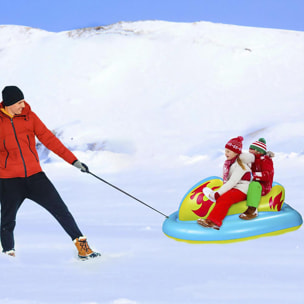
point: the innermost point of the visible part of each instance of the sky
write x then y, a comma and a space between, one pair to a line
63, 15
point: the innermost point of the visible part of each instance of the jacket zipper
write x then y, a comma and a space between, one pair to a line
25, 171
28, 138
6, 152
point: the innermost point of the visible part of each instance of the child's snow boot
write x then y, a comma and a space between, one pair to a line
84, 250
249, 214
208, 224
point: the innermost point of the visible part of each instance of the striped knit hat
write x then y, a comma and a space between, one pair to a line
259, 145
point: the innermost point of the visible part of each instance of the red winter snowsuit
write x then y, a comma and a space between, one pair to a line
18, 154
262, 171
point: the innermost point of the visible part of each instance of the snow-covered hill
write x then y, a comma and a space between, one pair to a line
158, 90
150, 105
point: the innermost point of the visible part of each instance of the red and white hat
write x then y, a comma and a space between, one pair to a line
235, 144
259, 145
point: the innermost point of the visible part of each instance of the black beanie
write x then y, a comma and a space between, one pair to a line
11, 95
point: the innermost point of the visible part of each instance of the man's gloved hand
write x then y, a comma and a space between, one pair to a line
83, 167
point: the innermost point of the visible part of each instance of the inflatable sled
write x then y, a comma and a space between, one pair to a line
275, 217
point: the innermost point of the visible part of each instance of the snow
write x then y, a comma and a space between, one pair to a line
149, 106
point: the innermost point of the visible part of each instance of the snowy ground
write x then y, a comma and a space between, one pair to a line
149, 106
139, 263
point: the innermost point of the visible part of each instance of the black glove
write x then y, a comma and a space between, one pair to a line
83, 167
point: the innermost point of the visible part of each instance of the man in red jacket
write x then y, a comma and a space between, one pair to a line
21, 175
262, 178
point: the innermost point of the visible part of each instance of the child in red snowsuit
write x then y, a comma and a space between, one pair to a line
262, 174
236, 177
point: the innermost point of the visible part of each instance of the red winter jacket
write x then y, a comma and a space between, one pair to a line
18, 154
262, 171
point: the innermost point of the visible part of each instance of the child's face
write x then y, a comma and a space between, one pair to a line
255, 152
230, 154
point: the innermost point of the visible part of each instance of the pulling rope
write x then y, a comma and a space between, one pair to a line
126, 193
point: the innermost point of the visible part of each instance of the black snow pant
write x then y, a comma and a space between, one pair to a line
14, 191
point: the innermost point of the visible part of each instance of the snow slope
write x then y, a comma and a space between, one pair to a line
149, 106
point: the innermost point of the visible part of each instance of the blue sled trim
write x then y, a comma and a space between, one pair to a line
233, 228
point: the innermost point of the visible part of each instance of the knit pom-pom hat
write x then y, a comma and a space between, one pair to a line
235, 144
259, 145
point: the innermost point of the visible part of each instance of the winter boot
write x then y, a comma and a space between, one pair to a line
10, 252
249, 214
84, 250
208, 224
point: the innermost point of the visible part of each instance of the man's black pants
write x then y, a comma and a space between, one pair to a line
14, 191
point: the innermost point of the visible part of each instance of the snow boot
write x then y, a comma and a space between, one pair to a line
10, 252
208, 224
249, 214
84, 250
